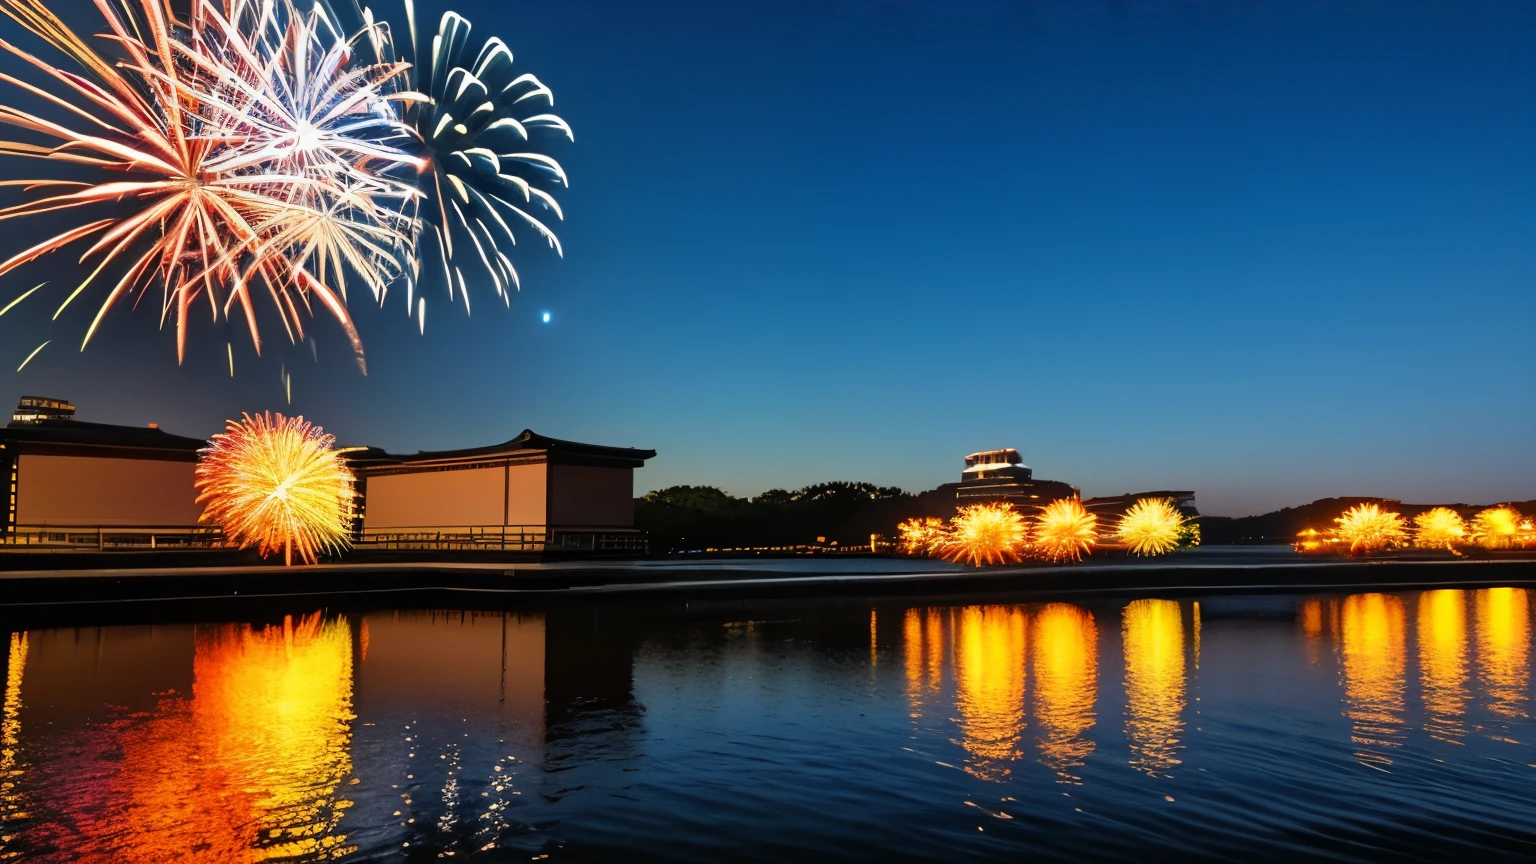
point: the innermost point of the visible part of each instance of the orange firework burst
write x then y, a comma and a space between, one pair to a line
1152, 526
919, 535
983, 534
1064, 530
200, 189
1368, 528
1441, 527
274, 481
1496, 528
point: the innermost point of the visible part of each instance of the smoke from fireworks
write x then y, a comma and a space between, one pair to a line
1439, 528
983, 534
1496, 528
1153, 526
1065, 531
275, 482
1368, 528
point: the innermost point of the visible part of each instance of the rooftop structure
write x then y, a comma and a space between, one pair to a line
36, 409
995, 463
1000, 476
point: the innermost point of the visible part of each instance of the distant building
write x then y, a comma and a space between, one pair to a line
541, 492
36, 409
532, 490
65, 473
1000, 476
1113, 507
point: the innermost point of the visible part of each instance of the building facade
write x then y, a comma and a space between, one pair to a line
530, 491
137, 484
69, 474
1000, 476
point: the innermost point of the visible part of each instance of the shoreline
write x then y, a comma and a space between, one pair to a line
23, 593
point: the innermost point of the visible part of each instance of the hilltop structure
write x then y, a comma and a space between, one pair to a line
1000, 476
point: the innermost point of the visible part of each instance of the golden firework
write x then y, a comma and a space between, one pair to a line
1065, 530
918, 535
273, 481
984, 534
1153, 526
1496, 528
1440, 527
1368, 528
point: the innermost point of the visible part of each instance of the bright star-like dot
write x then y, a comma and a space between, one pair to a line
546, 317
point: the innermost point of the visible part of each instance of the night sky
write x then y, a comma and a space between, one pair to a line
1270, 251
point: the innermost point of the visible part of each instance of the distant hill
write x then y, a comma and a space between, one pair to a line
1282, 526
702, 517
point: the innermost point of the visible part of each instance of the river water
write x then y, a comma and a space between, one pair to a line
1353, 727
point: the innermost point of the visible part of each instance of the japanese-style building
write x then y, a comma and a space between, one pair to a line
66, 473
531, 494
566, 494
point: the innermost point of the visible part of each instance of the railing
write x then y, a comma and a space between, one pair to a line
483, 538
111, 538
499, 538
504, 538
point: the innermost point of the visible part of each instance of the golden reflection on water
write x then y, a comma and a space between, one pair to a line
1064, 652
1442, 634
1373, 671
247, 770
1195, 615
989, 685
923, 650
276, 707
1153, 633
1312, 626
12, 804
1503, 649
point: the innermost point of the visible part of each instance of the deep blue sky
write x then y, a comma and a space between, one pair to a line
1269, 251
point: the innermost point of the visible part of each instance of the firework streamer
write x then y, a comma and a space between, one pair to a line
479, 127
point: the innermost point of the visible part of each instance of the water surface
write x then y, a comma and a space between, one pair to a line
1355, 727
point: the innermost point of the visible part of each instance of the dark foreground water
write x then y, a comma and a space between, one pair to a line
1366, 726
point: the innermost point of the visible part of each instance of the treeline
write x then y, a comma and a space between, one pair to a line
1282, 526
688, 518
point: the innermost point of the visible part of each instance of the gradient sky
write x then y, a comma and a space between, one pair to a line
1270, 251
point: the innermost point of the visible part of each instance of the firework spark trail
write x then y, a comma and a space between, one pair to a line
1065, 531
1368, 528
1440, 527
983, 534
1151, 527
475, 127
301, 117
918, 535
275, 482
244, 145
1496, 528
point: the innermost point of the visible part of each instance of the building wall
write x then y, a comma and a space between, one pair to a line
476, 496
583, 496
82, 490
527, 490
